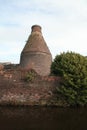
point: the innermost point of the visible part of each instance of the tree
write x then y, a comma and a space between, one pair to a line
72, 67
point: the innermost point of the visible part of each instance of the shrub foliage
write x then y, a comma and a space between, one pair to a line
72, 67
30, 76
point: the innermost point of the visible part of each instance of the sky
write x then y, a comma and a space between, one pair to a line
63, 22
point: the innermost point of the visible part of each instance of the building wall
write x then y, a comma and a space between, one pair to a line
38, 61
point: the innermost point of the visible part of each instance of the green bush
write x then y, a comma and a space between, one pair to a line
72, 67
30, 76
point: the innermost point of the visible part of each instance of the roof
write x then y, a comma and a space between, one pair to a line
36, 43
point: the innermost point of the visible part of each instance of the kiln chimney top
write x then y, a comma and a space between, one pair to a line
36, 28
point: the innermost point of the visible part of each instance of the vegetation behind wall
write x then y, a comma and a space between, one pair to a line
72, 67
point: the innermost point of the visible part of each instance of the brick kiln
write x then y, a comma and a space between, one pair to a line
36, 54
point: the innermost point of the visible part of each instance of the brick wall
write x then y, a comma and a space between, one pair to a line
40, 62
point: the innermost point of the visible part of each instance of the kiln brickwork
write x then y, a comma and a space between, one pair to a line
36, 54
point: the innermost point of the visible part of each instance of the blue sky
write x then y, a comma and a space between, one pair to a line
64, 26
